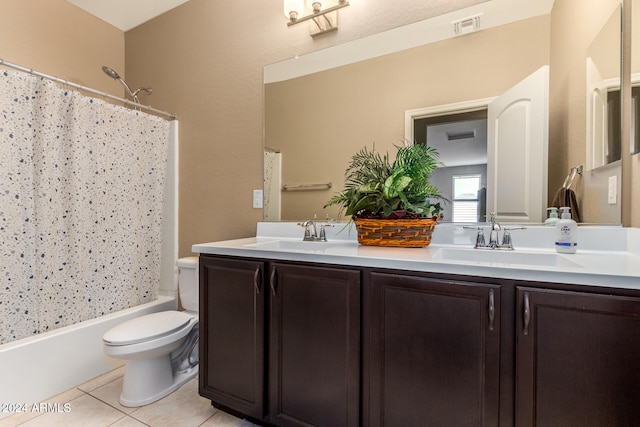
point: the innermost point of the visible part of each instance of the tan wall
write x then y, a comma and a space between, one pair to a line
574, 25
319, 121
56, 38
205, 60
631, 207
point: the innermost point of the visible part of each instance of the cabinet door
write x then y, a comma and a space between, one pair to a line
232, 334
314, 356
577, 359
432, 352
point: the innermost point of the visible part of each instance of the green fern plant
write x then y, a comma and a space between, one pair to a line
374, 187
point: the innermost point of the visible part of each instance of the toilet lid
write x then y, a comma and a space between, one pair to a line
147, 327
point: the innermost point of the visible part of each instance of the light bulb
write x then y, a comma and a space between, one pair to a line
316, 5
293, 9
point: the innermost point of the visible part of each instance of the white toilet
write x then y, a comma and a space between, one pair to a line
160, 349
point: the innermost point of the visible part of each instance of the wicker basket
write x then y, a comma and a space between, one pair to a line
402, 233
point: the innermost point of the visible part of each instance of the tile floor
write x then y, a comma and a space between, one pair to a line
95, 404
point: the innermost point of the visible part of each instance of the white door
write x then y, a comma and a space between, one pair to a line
517, 150
596, 117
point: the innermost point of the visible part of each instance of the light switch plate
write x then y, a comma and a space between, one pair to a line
257, 199
613, 190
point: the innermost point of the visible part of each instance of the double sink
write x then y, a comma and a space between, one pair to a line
433, 253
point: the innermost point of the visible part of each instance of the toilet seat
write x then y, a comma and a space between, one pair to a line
147, 328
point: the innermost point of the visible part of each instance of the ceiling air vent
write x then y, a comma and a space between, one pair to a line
466, 25
455, 136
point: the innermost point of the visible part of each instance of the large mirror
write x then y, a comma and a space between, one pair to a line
315, 121
635, 79
604, 145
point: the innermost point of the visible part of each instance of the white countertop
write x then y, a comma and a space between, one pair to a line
607, 256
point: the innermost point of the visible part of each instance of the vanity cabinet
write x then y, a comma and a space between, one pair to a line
296, 344
577, 359
232, 322
311, 316
433, 352
314, 346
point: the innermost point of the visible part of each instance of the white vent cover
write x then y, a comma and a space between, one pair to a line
466, 25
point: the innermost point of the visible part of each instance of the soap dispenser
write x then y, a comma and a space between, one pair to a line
566, 233
553, 217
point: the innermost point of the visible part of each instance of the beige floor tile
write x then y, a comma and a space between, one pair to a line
102, 380
110, 393
22, 417
222, 419
84, 411
128, 422
184, 407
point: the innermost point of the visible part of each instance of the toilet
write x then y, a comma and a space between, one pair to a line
160, 349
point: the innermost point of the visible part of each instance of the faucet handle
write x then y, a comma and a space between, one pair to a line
323, 234
480, 242
507, 241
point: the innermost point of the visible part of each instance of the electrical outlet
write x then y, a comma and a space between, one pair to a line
257, 199
613, 190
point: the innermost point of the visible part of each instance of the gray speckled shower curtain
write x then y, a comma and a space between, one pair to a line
81, 186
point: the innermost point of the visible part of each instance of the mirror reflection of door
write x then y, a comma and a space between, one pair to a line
461, 141
603, 116
515, 151
604, 139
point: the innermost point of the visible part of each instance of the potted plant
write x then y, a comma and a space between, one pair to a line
390, 203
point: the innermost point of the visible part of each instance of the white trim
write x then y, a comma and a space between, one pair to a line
442, 110
494, 13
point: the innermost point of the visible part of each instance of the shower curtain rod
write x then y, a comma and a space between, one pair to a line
86, 89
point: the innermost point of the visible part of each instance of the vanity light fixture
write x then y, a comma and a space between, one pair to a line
322, 20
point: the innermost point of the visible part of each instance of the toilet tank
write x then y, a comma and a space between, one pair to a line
188, 283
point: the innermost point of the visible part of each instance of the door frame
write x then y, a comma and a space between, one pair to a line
442, 110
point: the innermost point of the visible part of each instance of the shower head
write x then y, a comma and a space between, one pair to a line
134, 94
110, 72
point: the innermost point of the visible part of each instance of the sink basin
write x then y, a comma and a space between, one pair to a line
498, 257
297, 245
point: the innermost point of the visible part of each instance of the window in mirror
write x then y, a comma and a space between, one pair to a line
466, 198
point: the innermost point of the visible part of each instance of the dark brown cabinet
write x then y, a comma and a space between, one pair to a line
311, 318
314, 346
577, 359
433, 351
232, 334
296, 344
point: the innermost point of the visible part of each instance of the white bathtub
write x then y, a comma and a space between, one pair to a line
36, 368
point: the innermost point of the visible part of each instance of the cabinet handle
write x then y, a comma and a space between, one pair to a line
272, 281
256, 285
527, 314
492, 309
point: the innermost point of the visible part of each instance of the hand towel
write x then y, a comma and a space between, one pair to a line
567, 197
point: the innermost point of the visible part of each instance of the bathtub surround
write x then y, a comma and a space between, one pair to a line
82, 191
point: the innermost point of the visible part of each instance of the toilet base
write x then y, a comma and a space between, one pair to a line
148, 380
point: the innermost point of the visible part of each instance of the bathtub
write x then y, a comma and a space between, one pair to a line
36, 368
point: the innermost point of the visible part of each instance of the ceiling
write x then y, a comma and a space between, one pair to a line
459, 143
126, 14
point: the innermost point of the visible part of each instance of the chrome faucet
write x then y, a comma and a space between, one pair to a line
494, 236
311, 233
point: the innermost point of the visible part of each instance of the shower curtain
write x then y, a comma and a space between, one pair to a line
81, 188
